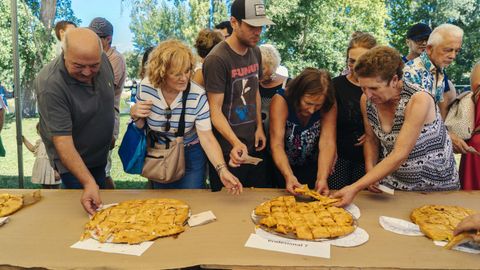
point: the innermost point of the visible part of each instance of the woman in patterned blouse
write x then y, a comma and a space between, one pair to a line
302, 130
403, 121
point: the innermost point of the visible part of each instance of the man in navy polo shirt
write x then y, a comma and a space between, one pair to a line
75, 101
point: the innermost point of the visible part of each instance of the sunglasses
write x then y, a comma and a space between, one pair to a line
420, 42
168, 115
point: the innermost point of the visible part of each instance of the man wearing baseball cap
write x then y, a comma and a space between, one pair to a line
104, 30
417, 37
231, 74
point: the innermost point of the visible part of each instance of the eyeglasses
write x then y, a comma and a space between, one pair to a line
420, 42
168, 115
180, 75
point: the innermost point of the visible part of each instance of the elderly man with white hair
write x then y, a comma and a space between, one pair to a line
428, 70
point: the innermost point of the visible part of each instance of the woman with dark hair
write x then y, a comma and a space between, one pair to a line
61, 27
302, 130
143, 67
403, 121
350, 165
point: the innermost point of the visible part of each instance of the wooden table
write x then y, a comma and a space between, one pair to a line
40, 235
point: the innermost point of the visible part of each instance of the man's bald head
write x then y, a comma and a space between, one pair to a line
82, 54
82, 40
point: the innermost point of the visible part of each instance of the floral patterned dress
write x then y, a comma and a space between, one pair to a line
301, 144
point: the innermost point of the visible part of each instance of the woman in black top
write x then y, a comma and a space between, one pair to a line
350, 132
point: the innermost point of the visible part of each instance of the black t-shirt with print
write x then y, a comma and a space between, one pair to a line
237, 77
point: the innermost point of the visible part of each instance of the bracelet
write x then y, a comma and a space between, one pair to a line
220, 166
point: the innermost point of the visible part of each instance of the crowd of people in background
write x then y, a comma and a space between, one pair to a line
378, 124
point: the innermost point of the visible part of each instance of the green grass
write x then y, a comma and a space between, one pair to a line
8, 164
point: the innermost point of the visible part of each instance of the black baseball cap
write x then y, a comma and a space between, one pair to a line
251, 12
419, 31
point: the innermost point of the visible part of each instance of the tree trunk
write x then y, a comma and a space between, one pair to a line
47, 13
29, 101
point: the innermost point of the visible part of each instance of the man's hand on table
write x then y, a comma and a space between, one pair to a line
90, 199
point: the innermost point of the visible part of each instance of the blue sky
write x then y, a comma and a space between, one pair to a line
114, 11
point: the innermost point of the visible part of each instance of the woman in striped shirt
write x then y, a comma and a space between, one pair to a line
160, 105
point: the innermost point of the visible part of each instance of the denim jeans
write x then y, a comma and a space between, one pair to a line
69, 181
195, 166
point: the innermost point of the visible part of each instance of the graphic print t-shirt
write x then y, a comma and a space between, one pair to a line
237, 77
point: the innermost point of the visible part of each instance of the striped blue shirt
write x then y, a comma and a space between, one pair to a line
197, 111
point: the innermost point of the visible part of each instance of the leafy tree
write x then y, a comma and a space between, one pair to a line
156, 20
464, 13
315, 33
133, 61
36, 40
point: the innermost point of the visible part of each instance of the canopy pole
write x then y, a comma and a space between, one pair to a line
17, 92
210, 19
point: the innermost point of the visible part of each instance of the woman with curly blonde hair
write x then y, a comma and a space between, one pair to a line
160, 104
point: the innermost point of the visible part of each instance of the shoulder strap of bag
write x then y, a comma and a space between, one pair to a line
476, 94
181, 124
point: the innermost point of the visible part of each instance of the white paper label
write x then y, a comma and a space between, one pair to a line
314, 249
4, 220
94, 245
201, 218
386, 189
400, 226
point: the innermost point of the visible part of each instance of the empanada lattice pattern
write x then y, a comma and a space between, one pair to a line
9, 204
136, 221
438, 221
307, 220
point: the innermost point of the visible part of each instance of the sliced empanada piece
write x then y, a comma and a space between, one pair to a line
268, 221
458, 239
320, 232
263, 209
9, 204
303, 232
